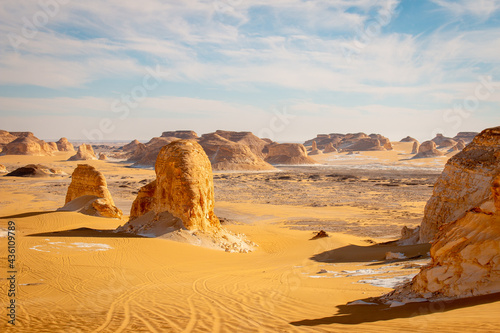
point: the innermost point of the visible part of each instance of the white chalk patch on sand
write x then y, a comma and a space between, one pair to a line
392, 282
363, 272
54, 246
361, 302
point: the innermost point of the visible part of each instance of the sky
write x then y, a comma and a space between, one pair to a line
283, 69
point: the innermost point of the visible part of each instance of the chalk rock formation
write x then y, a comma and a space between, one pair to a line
288, 153
443, 142
365, 144
84, 153
64, 145
27, 144
384, 142
180, 135
35, 170
428, 149
415, 148
467, 137
314, 149
179, 204
408, 139
228, 155
53, 146
131, 146
3, 169
324, 139
253, 142
145, 154
102, 157
329, 148
144, 202
87, 181
460, 145
464, 182
6, 138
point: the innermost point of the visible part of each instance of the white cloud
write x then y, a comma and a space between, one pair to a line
480, 8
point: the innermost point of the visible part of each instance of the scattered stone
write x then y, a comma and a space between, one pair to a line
320, 234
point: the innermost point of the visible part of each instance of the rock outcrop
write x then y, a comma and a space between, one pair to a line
329, 148
84, 153
288, 153
467, 137
443, 142
145, 154
256, 144
182, 199
35, 170
314, 149
186, 135
131, 146
228, 155
408, 139
102, 157
64, 145
3, 169
351, 142
416, 146
53, 146
27, 144
6, 138
88, 182
464, 182
384, 142
427, 150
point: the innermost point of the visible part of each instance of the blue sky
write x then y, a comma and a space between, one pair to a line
286, 69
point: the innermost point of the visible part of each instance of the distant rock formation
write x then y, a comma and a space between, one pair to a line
180, 135
443, 142
35, 170
460, 145
314, 149
228, 155
6, 138
365, 144
288, 153
89, 183
329, 148
464, 182
27, 144
84, 153
131, 147
102, 157
408, 139
3, 169
467, 137
351, 141
248, 139
414, 149
181, 198
427, 150
145, 154
53, 146
64, 145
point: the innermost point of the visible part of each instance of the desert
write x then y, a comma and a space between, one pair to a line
88, 267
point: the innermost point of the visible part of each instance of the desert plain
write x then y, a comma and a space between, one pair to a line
74, 274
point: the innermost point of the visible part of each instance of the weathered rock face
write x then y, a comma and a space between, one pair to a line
351, 141
228, 155
184, 185
464, 182
324, 139
427, 150
466, 254
384, 142
329, 148
84, 153
187, 135
144, 202
288, 153
102, 157
64, 145
443, 141
414, 149
27, 145
408, 139
35, 170
5, 138
467, 137
3, 169
145, 155
87, 181
52, 146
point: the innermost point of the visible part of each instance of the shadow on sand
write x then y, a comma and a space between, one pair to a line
29, 214
355, 253
86, 232
358, 314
